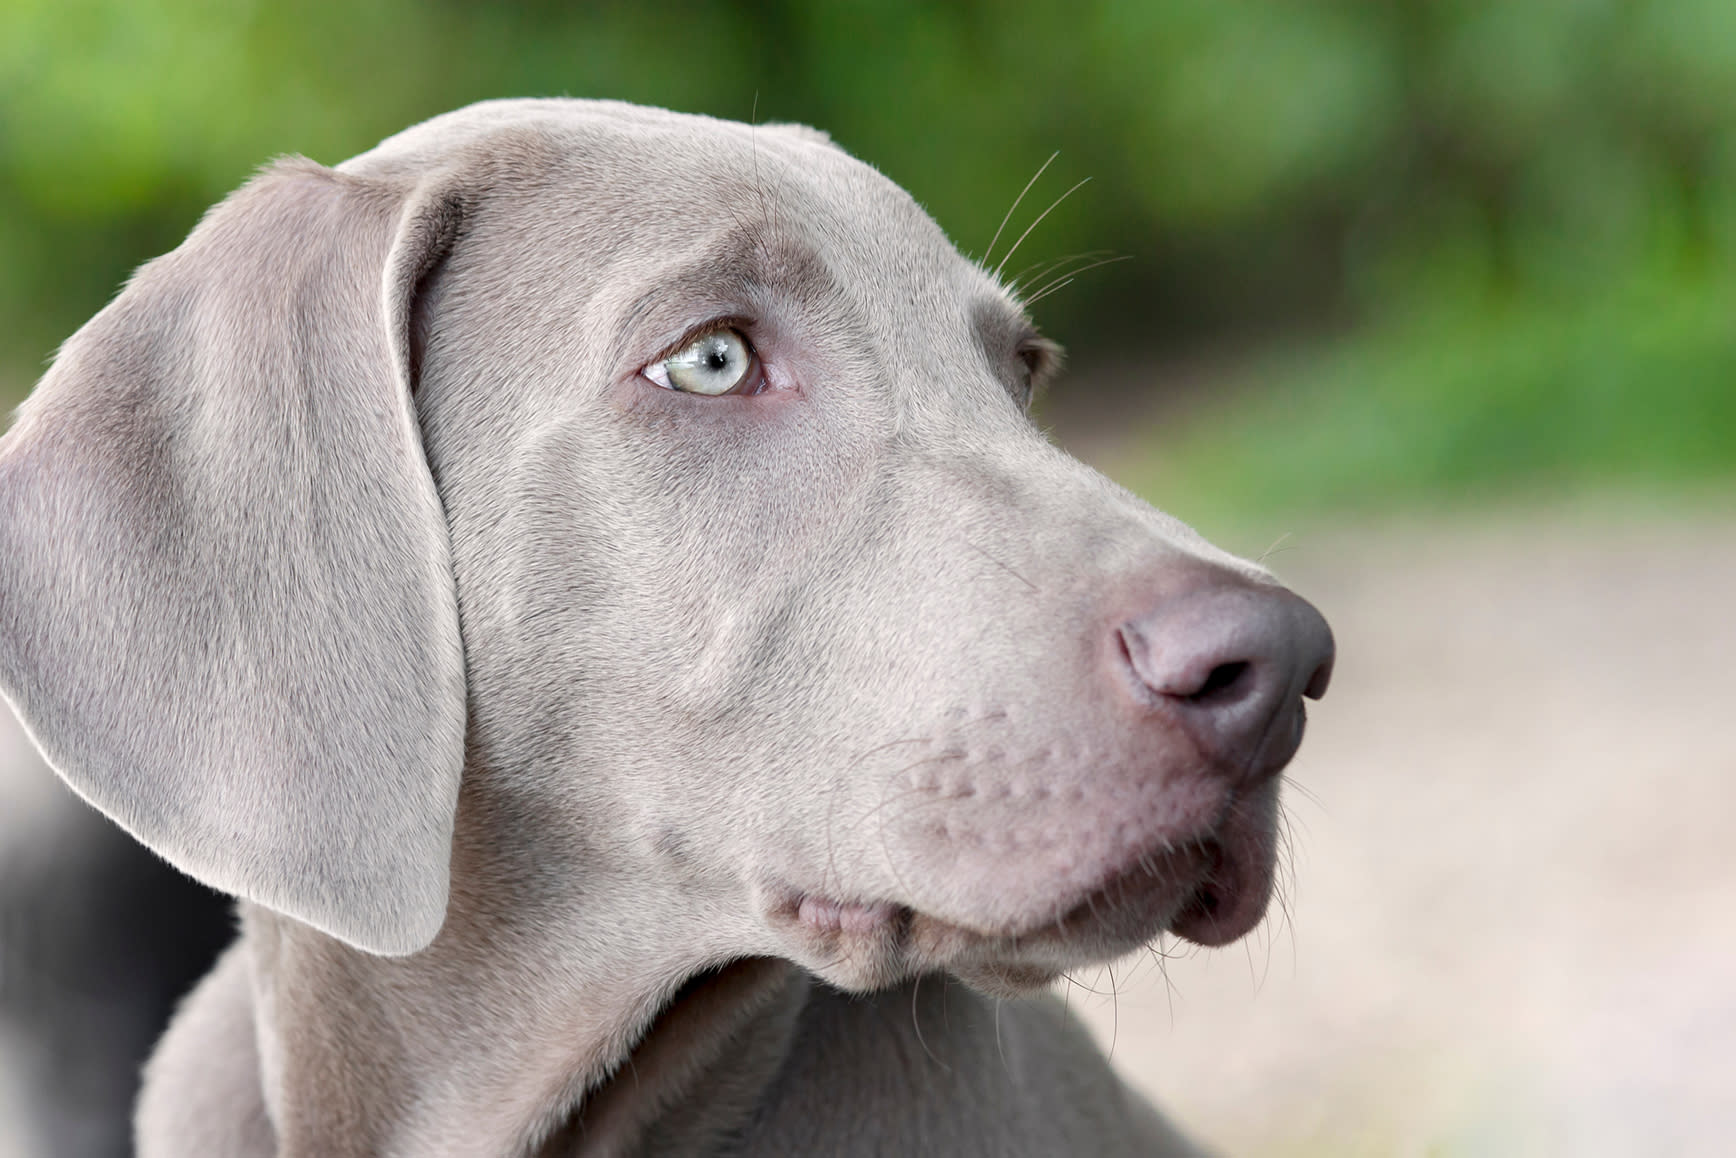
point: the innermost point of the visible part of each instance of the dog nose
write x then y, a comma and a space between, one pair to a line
1229, 662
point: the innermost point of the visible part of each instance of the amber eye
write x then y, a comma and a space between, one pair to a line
717, 363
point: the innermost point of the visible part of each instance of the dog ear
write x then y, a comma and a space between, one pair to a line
227, 611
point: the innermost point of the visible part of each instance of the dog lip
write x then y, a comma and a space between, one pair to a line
1230, 898
1139, 900
1133, 902
1122, 910
1206, 889
816, 918
824, 915
1212, 914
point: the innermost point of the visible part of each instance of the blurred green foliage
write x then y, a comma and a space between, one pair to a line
1625, 395
1485, 243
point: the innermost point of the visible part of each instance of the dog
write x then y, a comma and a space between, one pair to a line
586, 579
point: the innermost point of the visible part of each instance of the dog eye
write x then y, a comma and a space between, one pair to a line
1038, 360
1026, 374
1031, 365
720, 362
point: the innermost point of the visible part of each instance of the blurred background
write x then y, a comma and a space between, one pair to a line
1430, 303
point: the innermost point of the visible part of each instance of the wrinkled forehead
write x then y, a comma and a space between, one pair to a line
644, 192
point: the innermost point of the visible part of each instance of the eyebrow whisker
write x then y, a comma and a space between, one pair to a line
1013, 208
1067, 279
1040, 269
1052, 206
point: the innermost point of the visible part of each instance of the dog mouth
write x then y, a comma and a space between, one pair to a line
1209, 891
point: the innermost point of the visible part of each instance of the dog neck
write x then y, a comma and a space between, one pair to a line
585, 1030
358, 1060
701, 1071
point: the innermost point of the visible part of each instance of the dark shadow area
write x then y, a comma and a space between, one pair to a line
99, 941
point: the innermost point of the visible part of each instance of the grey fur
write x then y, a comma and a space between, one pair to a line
184, 559
753, 693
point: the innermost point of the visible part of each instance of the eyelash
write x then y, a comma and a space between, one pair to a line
742, 326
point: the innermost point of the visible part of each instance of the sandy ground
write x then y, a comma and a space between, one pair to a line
1511, 922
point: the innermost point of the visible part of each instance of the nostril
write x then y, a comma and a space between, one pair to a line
1221, 679
1179, 675
1127, 637
1228, 666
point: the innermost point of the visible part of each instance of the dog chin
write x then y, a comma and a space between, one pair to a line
867, 945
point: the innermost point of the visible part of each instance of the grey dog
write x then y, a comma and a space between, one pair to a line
585, 578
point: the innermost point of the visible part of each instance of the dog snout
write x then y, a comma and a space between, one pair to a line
1229, 664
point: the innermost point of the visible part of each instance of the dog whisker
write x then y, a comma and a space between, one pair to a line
1052, 206
1063, 281
916, 1023
1276, 547
1002, 565
1022, 280
1013, 208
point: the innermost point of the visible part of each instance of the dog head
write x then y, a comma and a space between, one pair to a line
666, 484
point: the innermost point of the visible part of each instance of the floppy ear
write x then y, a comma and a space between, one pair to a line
227, 611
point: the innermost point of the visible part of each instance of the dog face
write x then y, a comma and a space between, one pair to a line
844, 642
761, 589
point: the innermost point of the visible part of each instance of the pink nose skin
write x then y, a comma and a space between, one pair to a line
1229, 662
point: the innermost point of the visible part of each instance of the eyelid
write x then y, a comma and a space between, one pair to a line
741, 325
1040, 358
1042, 355
1040, 352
